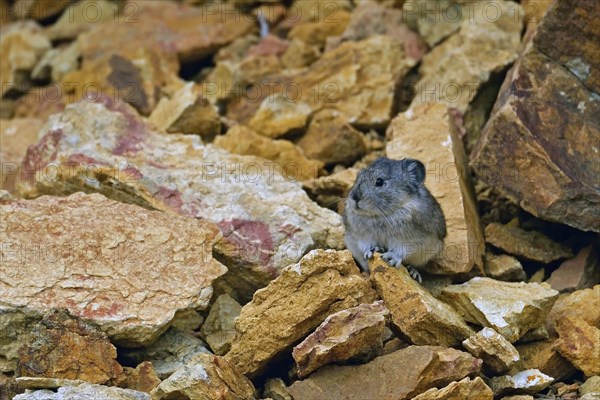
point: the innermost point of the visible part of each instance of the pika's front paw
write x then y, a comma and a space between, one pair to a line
391, 259
414, 274
369, 253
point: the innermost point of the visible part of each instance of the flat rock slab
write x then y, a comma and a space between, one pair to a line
128, 276
293, 305
426, 132
511, 308
399, 375
579, 272
497, 353
84, 391
268, 221
353, 334
466, 389
530, 245
414, 311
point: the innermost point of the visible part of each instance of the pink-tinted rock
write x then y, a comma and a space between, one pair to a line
580, 272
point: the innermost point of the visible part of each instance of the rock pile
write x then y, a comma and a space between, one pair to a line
173, 175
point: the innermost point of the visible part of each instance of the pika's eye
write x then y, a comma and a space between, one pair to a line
379, 182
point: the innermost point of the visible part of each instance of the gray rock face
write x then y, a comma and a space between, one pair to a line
85, 391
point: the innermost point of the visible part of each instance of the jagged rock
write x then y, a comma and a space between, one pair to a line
539, 333
16, 136
331, 140
141, 378
355, 334
187, 320
38, 9
276, 389
331, 190
268, 221
550, 173
511, 308
187, 112
84, 391
481, 47
581, 304
83, 16
387, 377
63, 347
287, 158
580, 272
466, 389
294, 304
529, 381
579, 342
169, 353
218, 330
439, 148
358, 79
426, 18
22, 45
315, 33
497, 353
530, 245
97, 260
299, 54
503, 267
205, 377
543, 356
278, 116
414, 311
590, 386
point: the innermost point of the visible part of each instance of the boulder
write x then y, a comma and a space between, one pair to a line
511, 308
164, 262
293, 305
219, 327
497, 353
466, 389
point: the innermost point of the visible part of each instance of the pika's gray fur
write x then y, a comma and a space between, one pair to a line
389, 209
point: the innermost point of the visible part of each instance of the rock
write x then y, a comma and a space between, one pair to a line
355, 334
14, 326
497, 353
466, 389
543, 356
315, 33
29, 382
331, 190
511, 308
503, 267
579, 342
580, 272
590, 386
439, 148
358, 79
434, 21
83, 16
169, 353
22, 45
299, 54
530, 245
84, 391
268, 221
141, 378
63, 347
529, 381
539, 333
276, 389
288, 159
187, 112
387, 377
41, 102
38, 9
218, 330
187, 320
294, 304
581, 304
331, 140
482, 46
550, 173
414, 311
98, 260
277, 116
205, 377
519, 397
16, 136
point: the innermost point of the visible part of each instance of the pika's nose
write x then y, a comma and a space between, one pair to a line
355, 197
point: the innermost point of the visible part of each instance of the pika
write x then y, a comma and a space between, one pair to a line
390, 210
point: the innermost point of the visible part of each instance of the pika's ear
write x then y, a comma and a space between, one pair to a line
415, 170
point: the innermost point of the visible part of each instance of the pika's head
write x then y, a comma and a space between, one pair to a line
386, 186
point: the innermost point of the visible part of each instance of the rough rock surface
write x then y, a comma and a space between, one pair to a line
354, 334
543, 356
590, 386
511, 308
15, 135
447, 177
503, 267
579, 342
63, 347
77, 17
171, 351
466, 389
414, 311
205, 377
530, 245
129, 277
276, 390
288, 160
218, 329
497, 353
579, 272
331, 190
294, 304
581, 304
268, 221
548, 172
84, 391
387, 377
141, 378
528, 381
